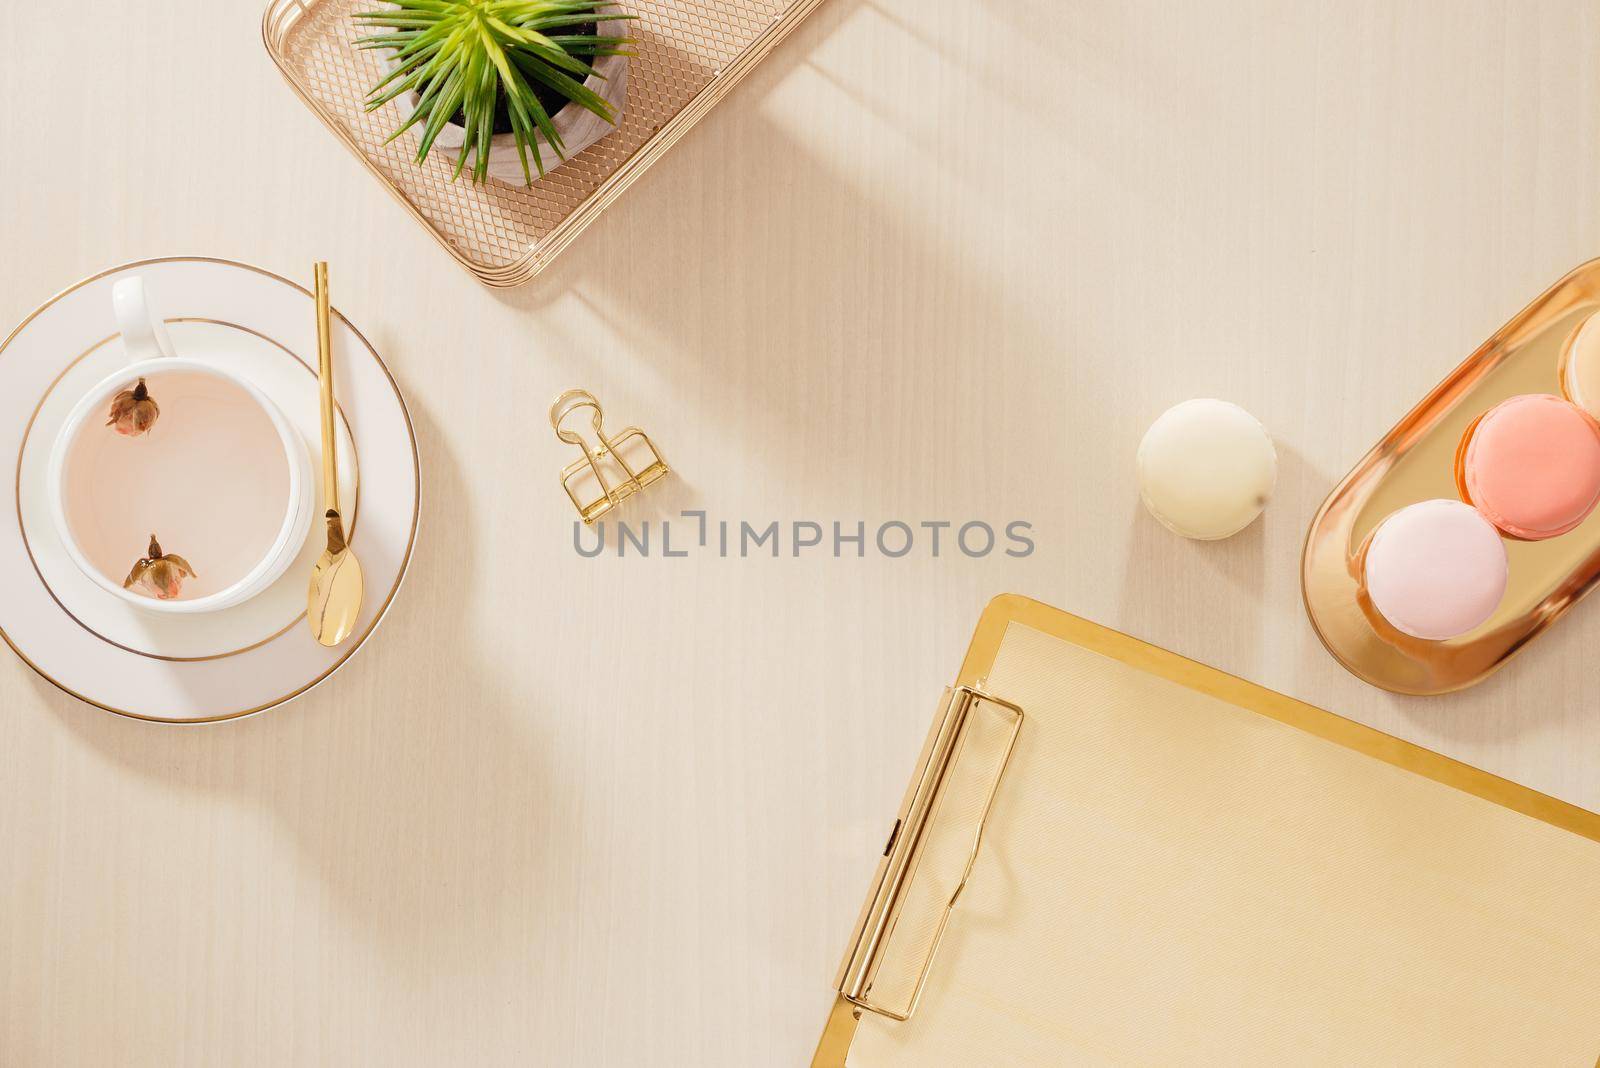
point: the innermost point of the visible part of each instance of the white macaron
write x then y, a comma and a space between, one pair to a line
1206, 469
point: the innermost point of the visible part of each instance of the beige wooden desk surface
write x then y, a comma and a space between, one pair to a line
933, 261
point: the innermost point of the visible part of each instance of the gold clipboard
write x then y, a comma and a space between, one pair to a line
939, 782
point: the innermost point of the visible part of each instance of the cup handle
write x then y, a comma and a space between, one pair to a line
143, 335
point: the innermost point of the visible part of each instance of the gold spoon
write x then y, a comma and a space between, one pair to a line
334, 600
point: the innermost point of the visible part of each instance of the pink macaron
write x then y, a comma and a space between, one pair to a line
1531, 465
1435, 569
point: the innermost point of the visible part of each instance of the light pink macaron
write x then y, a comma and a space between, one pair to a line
1531, 465
1435, 569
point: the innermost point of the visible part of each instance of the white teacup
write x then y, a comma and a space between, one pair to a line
220, 478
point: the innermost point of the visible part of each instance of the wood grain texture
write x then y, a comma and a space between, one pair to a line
931, 261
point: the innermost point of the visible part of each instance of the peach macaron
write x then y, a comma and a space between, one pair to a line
1531, 466
1580, 366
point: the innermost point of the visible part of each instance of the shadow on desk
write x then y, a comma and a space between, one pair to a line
412, 784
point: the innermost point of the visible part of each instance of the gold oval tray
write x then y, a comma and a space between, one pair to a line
1414, 462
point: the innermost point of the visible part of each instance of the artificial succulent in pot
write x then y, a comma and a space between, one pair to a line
514, 86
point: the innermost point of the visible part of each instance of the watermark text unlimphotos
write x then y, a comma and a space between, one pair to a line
692, 533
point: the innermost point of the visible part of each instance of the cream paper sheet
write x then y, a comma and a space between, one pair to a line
1169, 878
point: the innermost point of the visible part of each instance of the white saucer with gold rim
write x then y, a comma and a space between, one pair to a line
241, 659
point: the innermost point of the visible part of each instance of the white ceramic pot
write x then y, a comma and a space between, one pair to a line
579, 128
148, 345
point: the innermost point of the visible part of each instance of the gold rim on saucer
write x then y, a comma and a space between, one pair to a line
358, 639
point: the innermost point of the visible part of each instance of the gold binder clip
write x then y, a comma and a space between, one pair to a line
631, 458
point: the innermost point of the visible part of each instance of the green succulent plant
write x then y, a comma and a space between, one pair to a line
471, 61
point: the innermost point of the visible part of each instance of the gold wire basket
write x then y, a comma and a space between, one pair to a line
688, 55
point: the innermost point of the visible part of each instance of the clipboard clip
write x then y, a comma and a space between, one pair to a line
931, 852
585, 480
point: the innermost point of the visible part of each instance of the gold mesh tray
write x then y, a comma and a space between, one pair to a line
688, 55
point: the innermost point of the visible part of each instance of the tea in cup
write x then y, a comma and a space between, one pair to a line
177, 485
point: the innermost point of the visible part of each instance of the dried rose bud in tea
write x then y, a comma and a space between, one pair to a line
133, 411
161, 574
